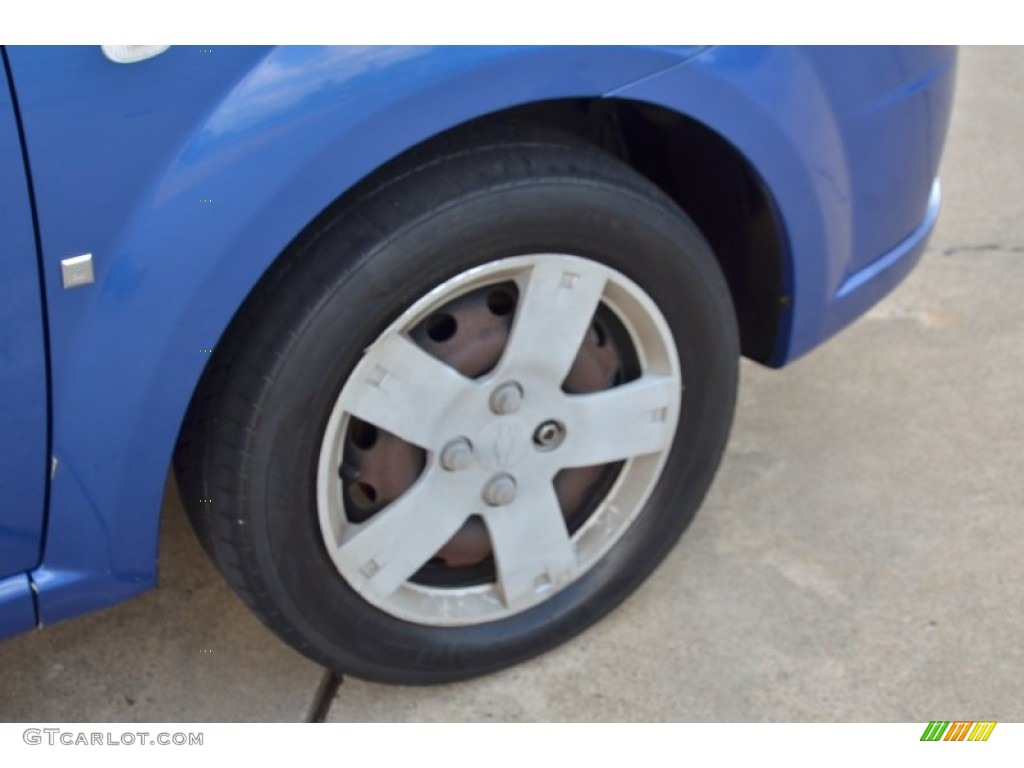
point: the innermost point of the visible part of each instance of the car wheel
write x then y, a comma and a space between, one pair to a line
467, 412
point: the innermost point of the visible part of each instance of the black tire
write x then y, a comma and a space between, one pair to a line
252, 437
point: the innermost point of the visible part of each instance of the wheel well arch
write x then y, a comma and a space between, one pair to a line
711, 180
713, 183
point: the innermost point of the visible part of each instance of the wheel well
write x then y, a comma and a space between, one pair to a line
713, 183
701, 171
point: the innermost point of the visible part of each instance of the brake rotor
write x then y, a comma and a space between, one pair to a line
470, 334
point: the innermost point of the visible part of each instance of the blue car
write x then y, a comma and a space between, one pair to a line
441, 343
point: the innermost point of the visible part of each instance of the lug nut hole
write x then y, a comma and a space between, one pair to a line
441, 327
364, 435
500, 302
362, 494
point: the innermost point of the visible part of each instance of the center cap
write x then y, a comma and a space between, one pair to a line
502, 444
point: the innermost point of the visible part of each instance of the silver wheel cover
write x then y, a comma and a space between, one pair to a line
494, 451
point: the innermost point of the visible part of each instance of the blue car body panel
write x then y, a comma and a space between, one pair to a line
848, 141
187, 175
17, 606
23, 410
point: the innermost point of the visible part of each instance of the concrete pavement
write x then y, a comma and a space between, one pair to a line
189, 651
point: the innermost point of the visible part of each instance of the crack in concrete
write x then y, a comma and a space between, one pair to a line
324, 697
953, 250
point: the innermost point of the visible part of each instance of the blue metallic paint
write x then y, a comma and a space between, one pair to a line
847, 141
23, 411
124, 158
17, 608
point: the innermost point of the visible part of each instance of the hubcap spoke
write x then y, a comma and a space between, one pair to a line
556, 307
491, 393
532, 549
399, 387
616, 424
381, 554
